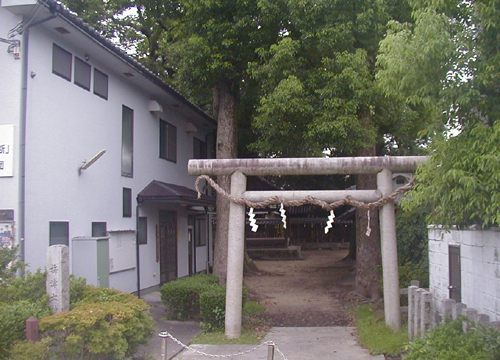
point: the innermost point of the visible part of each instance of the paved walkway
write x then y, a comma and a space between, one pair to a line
318, 343
296, 343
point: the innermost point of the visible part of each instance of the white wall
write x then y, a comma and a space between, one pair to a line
480, 268
10, 97
67, 125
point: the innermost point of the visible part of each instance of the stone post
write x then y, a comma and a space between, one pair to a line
416, 316
411, 311
32, 333
389, 249
448, 305
235, 258
58, 277
425, 312
457, 310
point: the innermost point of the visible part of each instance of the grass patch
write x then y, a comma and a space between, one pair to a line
253, 307
375, 335
254, 328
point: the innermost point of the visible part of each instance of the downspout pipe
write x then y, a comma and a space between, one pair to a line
22, 133
137, 257
22, 142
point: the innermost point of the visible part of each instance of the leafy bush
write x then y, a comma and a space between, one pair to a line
213, 308
77, 287
411, 271
103, 330
9, 264
94, 294
29, 350
450, 342
182, 296
31, 288
13, 318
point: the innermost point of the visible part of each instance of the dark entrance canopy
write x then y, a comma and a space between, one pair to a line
160, 191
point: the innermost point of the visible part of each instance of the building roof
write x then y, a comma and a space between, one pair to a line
160, 191
57, 11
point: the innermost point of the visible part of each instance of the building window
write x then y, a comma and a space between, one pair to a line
59, 233
100, 84
200, 230
99, 229
127, 141
168, 141
142, 230
82, 74
61, 62
127, 202
199, 149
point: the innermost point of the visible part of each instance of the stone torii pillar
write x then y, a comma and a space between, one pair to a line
238, 168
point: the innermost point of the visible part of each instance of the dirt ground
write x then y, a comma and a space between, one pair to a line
307, 292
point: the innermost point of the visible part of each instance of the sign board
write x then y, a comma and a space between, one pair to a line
6, 233
6, 150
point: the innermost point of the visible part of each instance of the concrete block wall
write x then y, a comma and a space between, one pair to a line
480, 268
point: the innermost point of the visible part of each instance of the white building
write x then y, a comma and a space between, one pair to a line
67, 95
464, 265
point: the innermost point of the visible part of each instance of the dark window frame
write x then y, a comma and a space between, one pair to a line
142, 230
101, 87
82, 66
57, 60
127, 202
55, 234
127, 157
200, 232
199, 149
98, 226
168, 141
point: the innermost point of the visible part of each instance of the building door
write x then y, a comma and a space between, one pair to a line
168, 245
455, 284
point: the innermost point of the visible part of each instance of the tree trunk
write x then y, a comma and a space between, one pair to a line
368, 263
224, 113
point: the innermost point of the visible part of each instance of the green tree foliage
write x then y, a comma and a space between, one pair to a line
9, 264
318, 82
445, 67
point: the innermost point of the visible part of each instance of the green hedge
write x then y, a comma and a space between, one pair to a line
213, 308
197, 296
182, 296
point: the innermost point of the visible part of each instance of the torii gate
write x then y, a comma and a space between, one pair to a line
240, 168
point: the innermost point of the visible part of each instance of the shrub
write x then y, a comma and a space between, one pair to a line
9, 264
13, 321
77, 287
103, 330
450, 342
213, 308
182, 296
31, 287
85, 294
28, 350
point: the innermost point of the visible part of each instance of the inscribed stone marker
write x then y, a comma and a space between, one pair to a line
58, 277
